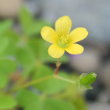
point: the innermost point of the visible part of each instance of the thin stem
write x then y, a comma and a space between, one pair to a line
40, 80
64, 79
31, 83
58, 64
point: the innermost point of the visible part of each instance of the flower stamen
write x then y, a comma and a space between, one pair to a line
63, 41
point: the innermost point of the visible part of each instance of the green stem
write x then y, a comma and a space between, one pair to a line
31, 83
64, 79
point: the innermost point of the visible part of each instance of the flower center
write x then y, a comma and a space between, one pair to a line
63, 41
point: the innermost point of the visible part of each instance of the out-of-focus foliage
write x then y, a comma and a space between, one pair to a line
49, 86
23, 59
7, 102
29, 25
7, 67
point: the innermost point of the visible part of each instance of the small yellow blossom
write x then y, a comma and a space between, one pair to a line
62, 39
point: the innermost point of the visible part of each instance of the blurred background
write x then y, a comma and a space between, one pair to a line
92, 14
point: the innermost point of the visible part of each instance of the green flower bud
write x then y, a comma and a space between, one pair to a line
87, 79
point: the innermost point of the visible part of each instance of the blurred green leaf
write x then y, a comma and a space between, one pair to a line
72, 94
29, 24
7, 102
56, 104
26, 19
3, 80
40, 48
13, 40
29, 100
35, 27
3, 44
25, 59
49, 86
87, 79
7, 66
4, 26
80, 103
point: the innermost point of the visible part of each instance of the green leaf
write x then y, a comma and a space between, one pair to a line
7, 66
26, 19
29, 24
13, 40
36, 27
3, 80
87, 79
4, 26
49, 86
40, 48
79, 102
26, 59
29, 100
3, 44
56, 104
7, 102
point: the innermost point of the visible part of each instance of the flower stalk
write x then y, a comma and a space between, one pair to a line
58, 64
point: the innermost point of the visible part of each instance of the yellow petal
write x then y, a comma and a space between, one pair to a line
75, 49
48, 34
55, 51
63, 25
78, 34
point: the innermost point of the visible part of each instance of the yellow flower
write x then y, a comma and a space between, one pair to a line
62, 39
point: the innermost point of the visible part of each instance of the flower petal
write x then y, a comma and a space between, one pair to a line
55, 51
48, 34
78, 34
75, 49
63, 25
